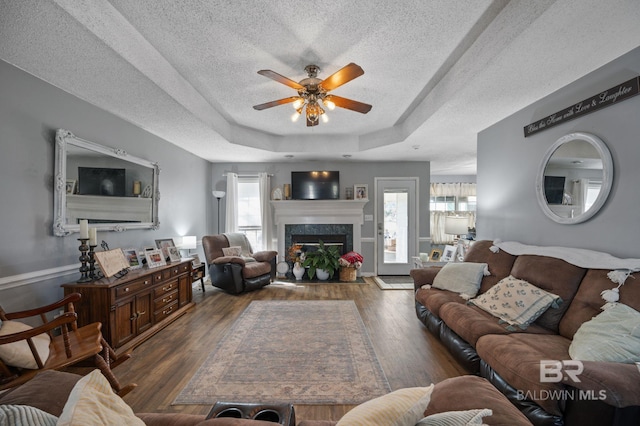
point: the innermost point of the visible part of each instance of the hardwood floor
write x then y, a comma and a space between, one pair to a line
162, 366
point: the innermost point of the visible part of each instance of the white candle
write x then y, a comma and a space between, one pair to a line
93, 237
84, 228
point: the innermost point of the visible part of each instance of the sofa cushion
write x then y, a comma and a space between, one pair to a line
433, 299
516, 301
18, 354
403, 407
500, 263
255, 269
462, 278
553, 275
35, 393
471, 322
516, 358
587, 300
469, 392
612, 336
93, 402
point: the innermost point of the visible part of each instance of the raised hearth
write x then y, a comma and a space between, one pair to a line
348, 213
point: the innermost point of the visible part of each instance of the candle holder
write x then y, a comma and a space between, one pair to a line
92, 263
84, 258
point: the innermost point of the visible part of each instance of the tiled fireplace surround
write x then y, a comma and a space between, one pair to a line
319, 218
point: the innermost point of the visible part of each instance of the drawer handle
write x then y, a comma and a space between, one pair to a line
175, 271
146, 282
158, 277
167, 299
167, 311
167, 288
126, 289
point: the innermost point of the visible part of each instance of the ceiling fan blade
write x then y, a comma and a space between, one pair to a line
349, 104
276, 103
342, 76
281, 79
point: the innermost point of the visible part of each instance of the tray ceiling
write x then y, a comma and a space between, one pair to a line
436, 72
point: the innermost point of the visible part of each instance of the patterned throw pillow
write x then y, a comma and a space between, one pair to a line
516, 301
232, 251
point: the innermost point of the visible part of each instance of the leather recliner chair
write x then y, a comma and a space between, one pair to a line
238, 273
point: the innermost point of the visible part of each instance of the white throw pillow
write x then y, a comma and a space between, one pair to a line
456, 418
516, 301
93, 402
611, 336
18, 354
403, 407
463, 278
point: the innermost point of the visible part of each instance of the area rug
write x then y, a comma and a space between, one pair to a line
304, 352
394, 282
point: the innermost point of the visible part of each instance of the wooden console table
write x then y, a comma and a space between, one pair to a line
135, 307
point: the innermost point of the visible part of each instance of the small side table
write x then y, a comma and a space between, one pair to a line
282, 414
197, 273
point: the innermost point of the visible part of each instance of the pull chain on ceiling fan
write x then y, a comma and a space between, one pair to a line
313, 92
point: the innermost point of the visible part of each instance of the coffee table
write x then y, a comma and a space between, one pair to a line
283, 414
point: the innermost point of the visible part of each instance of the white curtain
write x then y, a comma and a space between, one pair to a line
231, 211
265, 210
457, 189
579, 194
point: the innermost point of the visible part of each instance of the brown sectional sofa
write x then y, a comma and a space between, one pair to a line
608, 393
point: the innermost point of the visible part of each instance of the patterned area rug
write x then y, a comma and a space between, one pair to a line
304, 352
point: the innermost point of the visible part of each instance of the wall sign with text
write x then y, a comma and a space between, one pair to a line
603, 99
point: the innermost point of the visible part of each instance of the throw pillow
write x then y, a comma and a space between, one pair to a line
403, 407
463, 278
611, 336
232, 251
18, 354
456, 418
516, 301
93, 402
18, 415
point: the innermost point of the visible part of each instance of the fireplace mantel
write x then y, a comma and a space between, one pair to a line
296, 212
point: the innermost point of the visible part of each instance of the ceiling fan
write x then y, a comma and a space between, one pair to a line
313, 92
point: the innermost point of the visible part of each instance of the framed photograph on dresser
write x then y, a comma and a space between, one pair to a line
155, 258
163, 245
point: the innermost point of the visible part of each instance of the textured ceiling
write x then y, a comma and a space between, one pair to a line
436, 72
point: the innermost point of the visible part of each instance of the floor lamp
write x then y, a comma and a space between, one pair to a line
219, 195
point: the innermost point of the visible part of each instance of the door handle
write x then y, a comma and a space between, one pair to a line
380, 228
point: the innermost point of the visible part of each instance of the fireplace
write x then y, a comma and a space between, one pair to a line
319, 218
342, 237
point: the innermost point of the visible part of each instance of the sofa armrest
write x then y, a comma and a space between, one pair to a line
423, 276
265, 256
615, 383
228, 259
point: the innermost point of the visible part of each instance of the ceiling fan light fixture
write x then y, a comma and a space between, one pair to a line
329, 103
325, 118
298, 104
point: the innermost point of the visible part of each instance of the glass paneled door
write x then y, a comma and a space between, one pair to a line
396, 225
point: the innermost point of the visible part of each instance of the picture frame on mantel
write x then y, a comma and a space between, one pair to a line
361, 191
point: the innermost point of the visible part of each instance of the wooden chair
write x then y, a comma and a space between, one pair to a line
70, 347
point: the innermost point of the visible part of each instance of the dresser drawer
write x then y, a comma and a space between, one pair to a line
183, 268
160, 276
165, 311
165, 288
132, 287
165, 300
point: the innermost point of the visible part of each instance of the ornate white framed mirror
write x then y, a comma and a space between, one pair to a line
574, 178
111, 189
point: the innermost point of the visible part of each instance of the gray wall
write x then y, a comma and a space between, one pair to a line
30, 112
351, 173
508, 163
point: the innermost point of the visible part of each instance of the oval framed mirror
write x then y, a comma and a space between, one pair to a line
574, 178
113, 190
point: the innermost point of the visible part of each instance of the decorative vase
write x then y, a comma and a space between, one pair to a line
298, 271
322, 274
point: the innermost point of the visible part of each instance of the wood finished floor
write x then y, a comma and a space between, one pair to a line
162, 366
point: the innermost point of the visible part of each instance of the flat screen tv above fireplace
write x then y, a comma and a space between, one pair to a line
315, 185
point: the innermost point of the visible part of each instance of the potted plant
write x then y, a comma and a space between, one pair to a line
324, 258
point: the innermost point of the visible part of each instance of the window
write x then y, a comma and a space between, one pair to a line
451, 203
249, 217
449, 199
